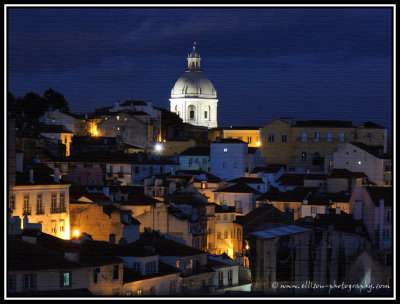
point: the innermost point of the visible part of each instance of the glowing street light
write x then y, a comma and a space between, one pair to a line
76, 233
158, 147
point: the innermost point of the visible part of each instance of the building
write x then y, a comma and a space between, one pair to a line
195, 158
39, 196
308, 145
228, 158
240, 196
95, 214
60, 268
359, 157
374, 205
58, 134
250, 135
193, 97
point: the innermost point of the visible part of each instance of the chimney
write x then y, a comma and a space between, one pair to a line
57, 175
31, 176
305, 202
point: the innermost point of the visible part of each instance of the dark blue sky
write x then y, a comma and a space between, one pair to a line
309, 63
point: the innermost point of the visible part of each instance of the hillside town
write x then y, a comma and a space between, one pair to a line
134, 200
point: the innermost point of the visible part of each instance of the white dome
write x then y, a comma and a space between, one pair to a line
193, 84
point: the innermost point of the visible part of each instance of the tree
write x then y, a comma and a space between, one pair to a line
55, 100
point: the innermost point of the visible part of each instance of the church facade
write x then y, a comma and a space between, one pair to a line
194, 98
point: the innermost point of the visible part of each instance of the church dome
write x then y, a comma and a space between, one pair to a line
193, 84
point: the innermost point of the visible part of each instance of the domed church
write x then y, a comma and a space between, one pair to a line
193, 98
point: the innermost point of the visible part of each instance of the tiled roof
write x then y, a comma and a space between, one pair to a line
44, 128
196, 151
268, 169
324, 123
376, 151
287, 196
238, 188
370, 124
377, 193
263, 217
164, 247
163, 270
138, 199
247, 180
344, 173
42, 175
228, 141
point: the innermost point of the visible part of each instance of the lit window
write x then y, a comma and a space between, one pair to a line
140, 292
225, 149
65, 279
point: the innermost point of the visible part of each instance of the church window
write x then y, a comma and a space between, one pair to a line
191, 112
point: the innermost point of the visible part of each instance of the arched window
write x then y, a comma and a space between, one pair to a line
192, 110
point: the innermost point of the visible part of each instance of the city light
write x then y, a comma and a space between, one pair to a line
76, 233
158, 147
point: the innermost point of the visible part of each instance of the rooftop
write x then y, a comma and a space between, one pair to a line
238, 188
324, 123
196, 151
377, 193
279, 231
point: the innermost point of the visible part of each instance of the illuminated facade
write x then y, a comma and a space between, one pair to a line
194, 98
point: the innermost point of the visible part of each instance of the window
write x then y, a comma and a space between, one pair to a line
205, 114
220, 278
62, 202
304, 136
153, 289
225, 217
369, 135
271, 138
225, 150
53, 202
139, 292
329, 136
29, 282
62, 229
203, 185
150, 267
316, 136
249, 139
191, 112
116, 272
39, 204
283, 138
27, 206
234, 164
225, 234
96, 275
304, 156
224, 165
136, 266
239, 234
11, 202
65, 279
218, 235
64, 167
230, 277
341, 136
53, 227
238, 207
313, 210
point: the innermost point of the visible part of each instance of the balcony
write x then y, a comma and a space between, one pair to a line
39, 211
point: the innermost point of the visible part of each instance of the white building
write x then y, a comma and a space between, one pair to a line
228, 158
371, 160
194, 98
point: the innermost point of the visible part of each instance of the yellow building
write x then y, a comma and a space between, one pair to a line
308, 143
42, 199
250, 135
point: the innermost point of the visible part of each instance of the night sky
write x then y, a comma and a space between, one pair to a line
265, 63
